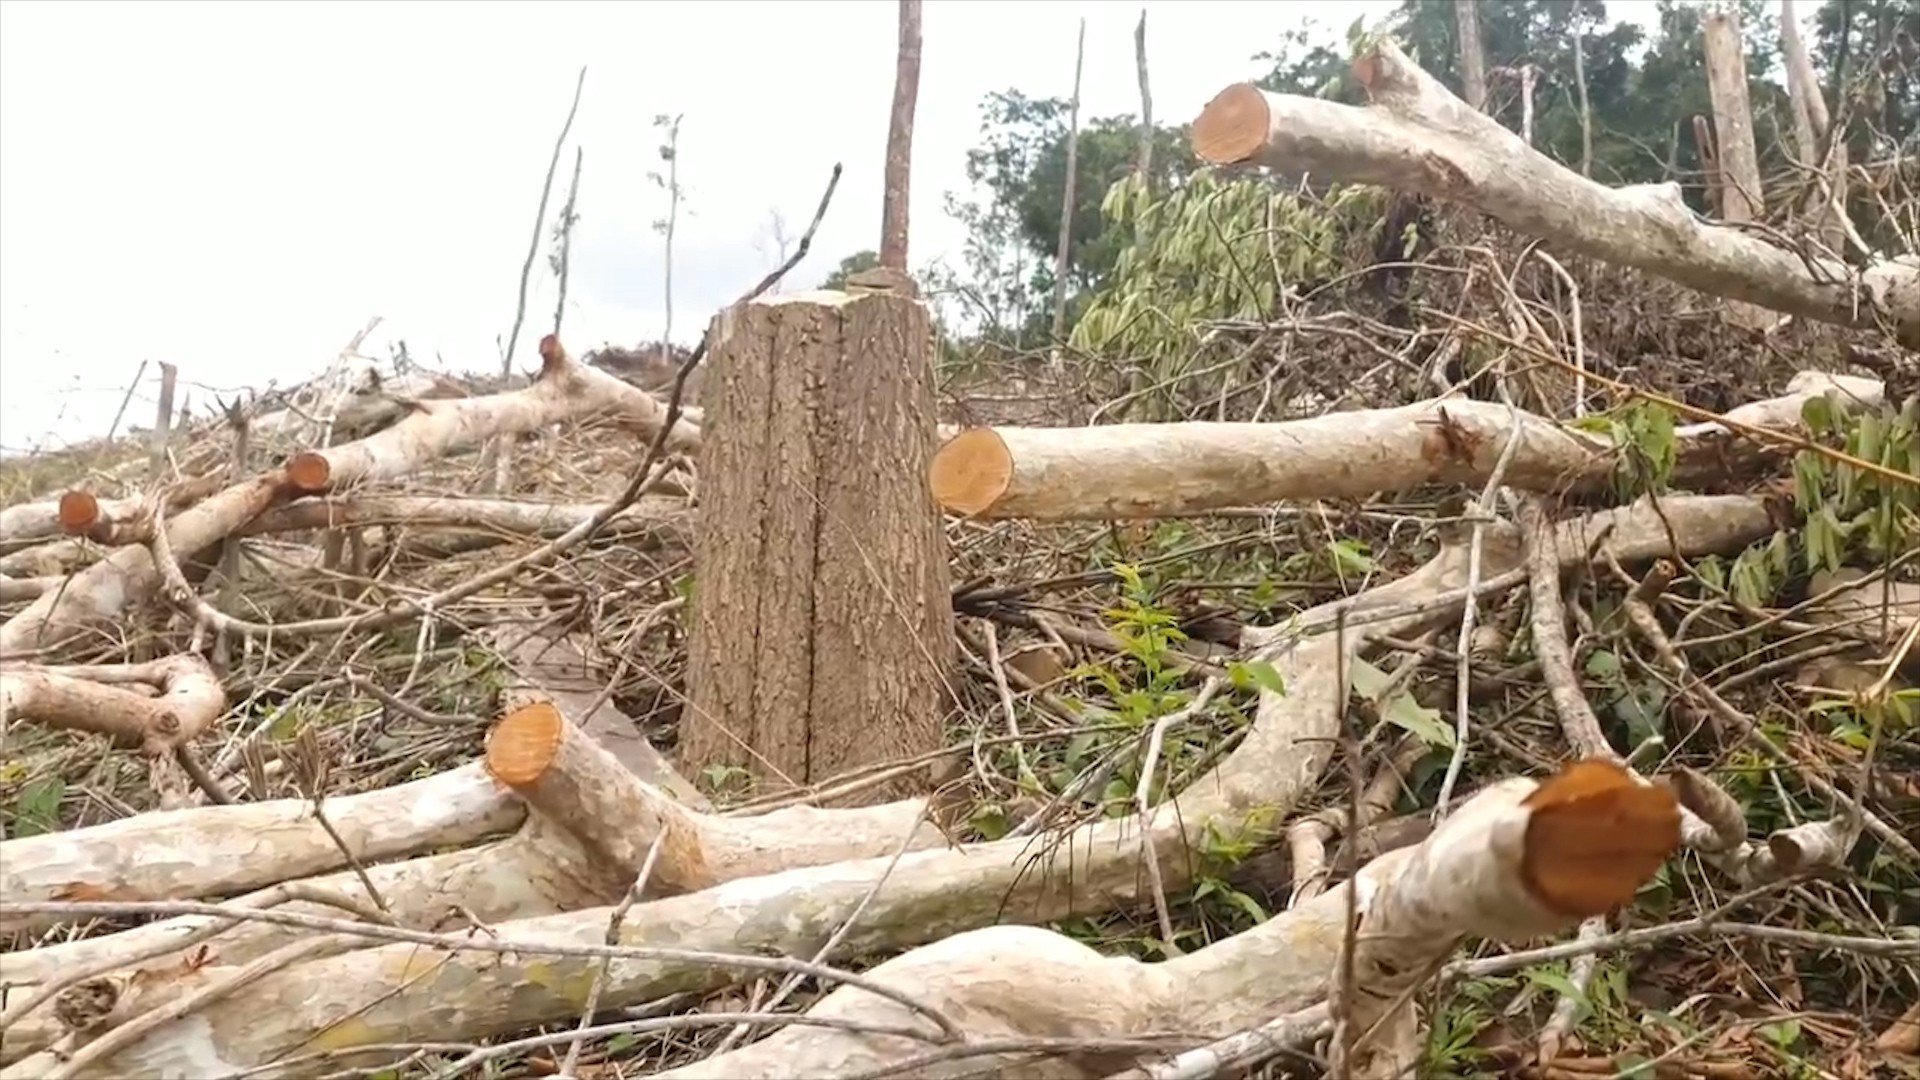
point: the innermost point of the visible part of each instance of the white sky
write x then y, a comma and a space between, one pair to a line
238, 188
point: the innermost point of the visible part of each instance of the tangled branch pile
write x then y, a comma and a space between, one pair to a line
318, 764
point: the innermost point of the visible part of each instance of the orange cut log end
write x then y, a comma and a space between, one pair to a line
79, 510
1594, 837
309, 472
524, 743
971, 472
1233, 126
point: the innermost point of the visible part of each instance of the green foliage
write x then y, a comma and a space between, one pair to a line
36, 809
1212, 249
1643, 430
1848, 509
1013, 220
849, 266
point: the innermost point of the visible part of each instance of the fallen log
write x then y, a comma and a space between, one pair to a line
106, 590
399, 992
502, 515
1147, 470
176, 699
222, 850
1415, 136
1520, 859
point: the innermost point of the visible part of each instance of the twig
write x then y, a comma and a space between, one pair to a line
612, 938
539, 220
1483, 511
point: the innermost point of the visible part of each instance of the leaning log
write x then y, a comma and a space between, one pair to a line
1417, 137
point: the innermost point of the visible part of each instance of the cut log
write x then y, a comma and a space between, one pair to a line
107, 589
1418, 137
821, 629
579, 785
396, 993
1480, 873
556, 673
165, 855
1148, 470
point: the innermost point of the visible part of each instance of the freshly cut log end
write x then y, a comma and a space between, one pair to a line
78, 512
1233, 126
309, 472
1594, 836
524, 743
971, 472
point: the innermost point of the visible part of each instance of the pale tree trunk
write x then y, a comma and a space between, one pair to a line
1827, 202
1416, 136
821, 624
1586, 106
1066, 198
906, 93
1473, 60
1145, 161
1741, 197
162, 422
1528, 74
1153, 470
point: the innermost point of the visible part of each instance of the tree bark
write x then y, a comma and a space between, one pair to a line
1742, 199
1153, 470
1827, 202
821, 628
906, 93
1416, 136
1473, 60
1145, 161
1067, 193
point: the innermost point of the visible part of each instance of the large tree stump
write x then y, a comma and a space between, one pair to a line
821, 612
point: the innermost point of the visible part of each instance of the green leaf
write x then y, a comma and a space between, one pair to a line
1401, 710
37, 808
1257, 673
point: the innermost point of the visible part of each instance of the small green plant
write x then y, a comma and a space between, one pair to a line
1643, 432
1850, 509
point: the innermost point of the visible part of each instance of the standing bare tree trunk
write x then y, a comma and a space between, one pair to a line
1586, 106
906, 93
1811, 127
1066, 198
1739, 163
1528, 73
670, 153
1473, 60
1145, 162
822, 621
162, 421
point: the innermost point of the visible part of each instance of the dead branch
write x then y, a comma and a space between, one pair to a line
155, 706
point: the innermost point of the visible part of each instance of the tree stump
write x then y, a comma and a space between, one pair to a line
822, 620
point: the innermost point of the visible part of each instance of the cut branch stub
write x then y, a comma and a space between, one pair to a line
309, 472
1594, 836
971, 472
79, 510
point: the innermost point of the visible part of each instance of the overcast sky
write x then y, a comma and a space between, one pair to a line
237, 188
